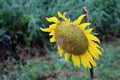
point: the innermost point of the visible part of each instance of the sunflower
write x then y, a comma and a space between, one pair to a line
75, 40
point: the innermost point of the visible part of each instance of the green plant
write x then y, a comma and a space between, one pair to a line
20, 19
105, 17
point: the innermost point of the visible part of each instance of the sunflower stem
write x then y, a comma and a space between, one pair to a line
86, 19
92, 72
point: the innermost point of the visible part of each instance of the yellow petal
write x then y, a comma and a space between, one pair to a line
93, 49
92, 37
95, 44
51, 28
85, 61
52, 33
46, 29
53, 19
76, 60
90, 58
84, 25
67, 55
78, 21
63, 17
52, 39
60, 51
89, 30
95, 55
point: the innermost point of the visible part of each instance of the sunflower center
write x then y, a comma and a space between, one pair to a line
71, 39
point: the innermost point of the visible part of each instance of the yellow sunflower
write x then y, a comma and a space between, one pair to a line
74, 39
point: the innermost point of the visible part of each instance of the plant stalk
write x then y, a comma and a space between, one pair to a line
86, 19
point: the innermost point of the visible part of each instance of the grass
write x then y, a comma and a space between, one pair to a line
51, 67
108, 66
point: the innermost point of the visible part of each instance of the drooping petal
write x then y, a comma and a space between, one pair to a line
52, 33
93, 49
67, 55
78, 21
76, 60
83, 26
95, 55
92, 37
60, 51
50, 29
63, 17
46, 29
90, 59
53, 26
85, 61
53, 19
52, 39
89, 30
95, 44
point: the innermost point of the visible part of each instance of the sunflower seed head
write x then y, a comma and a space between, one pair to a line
71, 39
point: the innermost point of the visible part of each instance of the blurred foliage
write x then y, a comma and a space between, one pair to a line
21, 19
106, 15
47, 68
